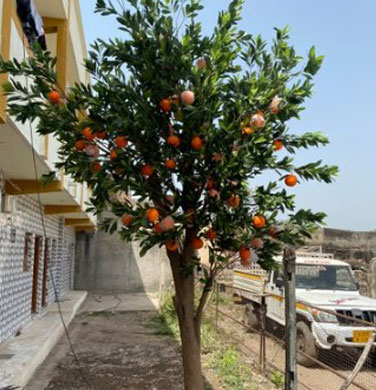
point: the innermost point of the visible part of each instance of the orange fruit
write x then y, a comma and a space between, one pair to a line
101, 135
259, 221
96, 167
167, 224
173, 141
197, 143
211, 234
147, 170
158, 229
113, 154
152, 215
172, 245
126, 220
80, 145
248, 130
245, 253
87, 133
188, 97
197, 243
54, 97
170, 164
291, 180
278, 145
234, 201
121, 142
165, 105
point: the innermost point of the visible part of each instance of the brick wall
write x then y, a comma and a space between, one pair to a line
16, 278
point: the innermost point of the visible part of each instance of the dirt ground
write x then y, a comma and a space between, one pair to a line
118, 350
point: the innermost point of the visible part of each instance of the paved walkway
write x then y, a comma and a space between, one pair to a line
118, 349
21, 355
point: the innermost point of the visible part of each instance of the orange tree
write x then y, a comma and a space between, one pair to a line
185, 123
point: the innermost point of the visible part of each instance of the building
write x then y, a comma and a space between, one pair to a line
30, 254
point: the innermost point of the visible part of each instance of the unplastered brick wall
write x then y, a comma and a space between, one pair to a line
16, 270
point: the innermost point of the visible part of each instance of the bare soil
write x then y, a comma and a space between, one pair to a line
117, 351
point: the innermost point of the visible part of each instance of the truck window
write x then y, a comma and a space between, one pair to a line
324, 277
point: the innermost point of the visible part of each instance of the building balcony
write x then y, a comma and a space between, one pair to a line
65, 40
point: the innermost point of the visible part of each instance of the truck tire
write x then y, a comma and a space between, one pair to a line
305, 343
251, 317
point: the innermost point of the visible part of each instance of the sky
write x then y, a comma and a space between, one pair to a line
344, 99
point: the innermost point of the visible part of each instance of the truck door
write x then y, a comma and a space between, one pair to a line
275, 302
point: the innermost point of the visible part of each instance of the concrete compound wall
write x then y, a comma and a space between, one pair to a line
356, 248
106, 264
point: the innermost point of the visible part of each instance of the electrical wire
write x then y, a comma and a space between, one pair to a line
41, 214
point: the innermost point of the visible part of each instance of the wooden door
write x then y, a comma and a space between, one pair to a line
45, 271
34, 296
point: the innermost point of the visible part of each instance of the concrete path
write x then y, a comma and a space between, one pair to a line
28, 350
118, 348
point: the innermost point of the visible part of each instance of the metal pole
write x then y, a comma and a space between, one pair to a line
216, 305
289, 257
262, 334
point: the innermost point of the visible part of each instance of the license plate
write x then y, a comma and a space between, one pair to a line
361, 336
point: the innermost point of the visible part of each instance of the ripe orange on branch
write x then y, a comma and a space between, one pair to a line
245, 253
170, 164
173, 140
278, 145
291, 180
121, 142
152, 215
197, 243
172, 245
259, 221
147, 170
54, 97
188, 97
167, 224
80, 145
126, 220
88, 134
211, 234
248, 130
165, 105
197, 143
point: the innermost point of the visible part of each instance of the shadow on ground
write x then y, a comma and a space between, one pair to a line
118, 350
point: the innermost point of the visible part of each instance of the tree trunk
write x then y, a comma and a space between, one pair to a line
191, 350
184, 305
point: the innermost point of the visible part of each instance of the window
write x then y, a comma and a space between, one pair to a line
27, 252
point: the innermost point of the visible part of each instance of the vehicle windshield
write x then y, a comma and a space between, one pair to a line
325, 277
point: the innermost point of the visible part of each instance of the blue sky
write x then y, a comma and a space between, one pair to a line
344, 99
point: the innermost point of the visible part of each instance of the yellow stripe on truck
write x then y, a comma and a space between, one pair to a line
248, 276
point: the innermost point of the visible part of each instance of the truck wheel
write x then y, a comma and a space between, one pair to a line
305, 343
251, 317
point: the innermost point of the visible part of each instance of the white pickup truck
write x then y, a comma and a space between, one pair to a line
321, 283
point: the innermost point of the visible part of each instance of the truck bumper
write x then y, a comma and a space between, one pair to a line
329, 336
